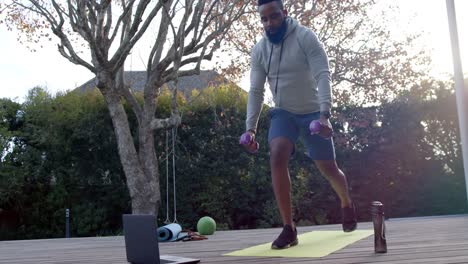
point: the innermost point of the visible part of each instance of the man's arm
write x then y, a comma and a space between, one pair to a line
318, 62
257, 91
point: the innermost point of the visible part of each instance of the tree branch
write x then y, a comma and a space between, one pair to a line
134, 34
126, 91
126, 16
166, 123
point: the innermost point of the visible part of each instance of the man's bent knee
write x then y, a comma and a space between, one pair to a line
280, 150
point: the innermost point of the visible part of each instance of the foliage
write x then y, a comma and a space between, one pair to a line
63, 156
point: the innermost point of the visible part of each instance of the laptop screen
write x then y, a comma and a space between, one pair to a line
141, 242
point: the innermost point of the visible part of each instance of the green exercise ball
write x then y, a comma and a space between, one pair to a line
206, 226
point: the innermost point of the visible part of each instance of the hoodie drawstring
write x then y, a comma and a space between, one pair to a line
269, 60
279, 64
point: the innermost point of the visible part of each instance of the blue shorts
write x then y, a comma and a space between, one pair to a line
291, 126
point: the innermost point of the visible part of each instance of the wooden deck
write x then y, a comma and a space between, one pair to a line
410, 240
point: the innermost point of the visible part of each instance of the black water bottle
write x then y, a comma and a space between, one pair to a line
380, 242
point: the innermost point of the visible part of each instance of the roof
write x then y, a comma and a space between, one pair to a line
137, 79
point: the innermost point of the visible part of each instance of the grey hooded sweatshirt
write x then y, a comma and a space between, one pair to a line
298, 74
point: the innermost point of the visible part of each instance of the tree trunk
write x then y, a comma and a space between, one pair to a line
149, 161
141, 170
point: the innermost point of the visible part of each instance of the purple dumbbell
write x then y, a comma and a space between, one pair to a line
246, 139
315, 127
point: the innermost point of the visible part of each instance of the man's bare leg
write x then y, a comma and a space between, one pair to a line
280, 151
337, 179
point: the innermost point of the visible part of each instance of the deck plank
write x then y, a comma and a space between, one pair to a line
410, 240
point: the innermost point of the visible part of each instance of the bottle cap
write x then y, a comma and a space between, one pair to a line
377, 208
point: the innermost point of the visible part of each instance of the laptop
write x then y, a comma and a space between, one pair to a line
141, 242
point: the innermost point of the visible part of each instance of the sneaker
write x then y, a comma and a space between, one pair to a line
349, 218
287, 238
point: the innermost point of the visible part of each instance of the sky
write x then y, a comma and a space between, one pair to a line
21, 69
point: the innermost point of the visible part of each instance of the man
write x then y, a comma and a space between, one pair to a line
296, 65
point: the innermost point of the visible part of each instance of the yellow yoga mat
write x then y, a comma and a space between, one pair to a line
313, 244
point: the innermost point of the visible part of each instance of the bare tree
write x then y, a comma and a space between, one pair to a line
188, 32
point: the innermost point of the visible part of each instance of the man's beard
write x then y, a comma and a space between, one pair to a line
277, 37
